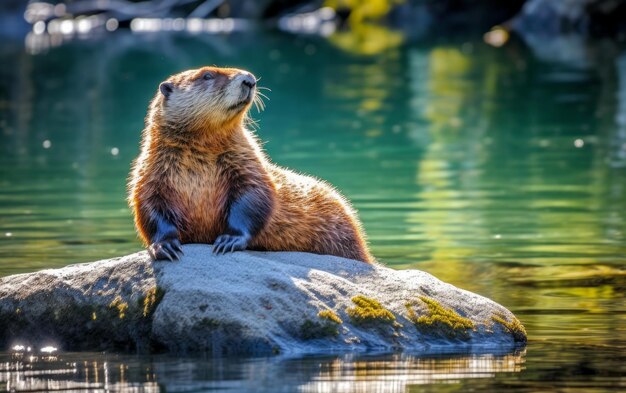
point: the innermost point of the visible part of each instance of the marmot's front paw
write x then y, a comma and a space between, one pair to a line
230, 243
169, 249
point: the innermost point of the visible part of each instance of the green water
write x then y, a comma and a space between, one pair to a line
489, 168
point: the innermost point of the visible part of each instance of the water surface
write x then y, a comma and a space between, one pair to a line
492, 169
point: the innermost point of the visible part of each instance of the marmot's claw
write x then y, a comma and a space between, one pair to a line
177, 246
229, 243
170, 250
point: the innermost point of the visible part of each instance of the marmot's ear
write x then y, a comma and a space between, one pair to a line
166, 89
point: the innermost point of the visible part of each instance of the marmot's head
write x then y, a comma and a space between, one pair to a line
208, 96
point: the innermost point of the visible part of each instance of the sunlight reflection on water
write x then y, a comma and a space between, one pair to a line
348, 373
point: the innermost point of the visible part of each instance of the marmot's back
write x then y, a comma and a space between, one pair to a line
310, 215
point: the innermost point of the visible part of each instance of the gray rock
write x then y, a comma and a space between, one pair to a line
247, 302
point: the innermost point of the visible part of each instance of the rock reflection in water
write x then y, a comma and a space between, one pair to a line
396, 372
340, 373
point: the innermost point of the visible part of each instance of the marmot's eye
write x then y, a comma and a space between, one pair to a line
207, 76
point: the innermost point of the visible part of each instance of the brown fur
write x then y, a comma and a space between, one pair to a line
193, 162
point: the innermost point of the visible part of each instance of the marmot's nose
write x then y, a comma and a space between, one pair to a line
249, 80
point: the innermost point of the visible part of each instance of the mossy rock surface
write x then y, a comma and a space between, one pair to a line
514, 326
438, 320
247, 303
369, 311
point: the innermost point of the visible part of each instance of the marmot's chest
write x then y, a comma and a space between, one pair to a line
202, 199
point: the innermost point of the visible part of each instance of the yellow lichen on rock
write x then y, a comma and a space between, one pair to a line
152, 299
369, 310
120, 305
327, 327
514, 327
440, 319
330, 315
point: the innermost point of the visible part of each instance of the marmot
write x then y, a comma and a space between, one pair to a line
201, 177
